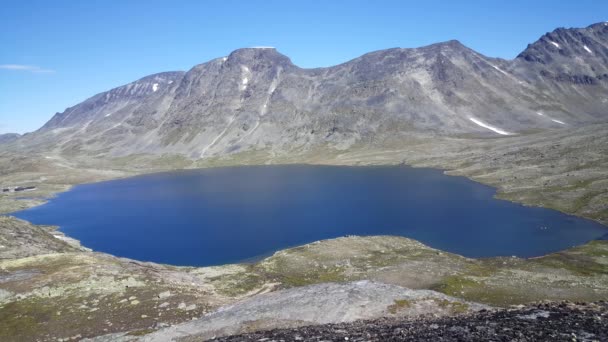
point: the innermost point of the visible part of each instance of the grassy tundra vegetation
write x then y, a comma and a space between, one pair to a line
50, 287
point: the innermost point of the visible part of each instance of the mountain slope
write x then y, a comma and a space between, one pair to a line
257, 99
8, 137
571, 65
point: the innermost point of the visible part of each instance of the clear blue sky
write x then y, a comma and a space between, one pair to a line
54, 54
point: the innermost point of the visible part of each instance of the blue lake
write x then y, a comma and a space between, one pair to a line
224, 215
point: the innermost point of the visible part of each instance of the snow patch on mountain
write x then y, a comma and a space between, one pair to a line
490, 127
587, 49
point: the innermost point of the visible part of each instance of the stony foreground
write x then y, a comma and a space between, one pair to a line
314, 304
51, 289
543, 322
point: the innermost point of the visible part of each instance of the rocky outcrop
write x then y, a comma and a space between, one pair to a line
317, 304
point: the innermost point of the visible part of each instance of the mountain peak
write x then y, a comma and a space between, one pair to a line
258, 54
255, 97
454, 43
580, 45
600, 25
448, 45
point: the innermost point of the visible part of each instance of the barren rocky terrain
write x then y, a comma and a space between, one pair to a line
544, 322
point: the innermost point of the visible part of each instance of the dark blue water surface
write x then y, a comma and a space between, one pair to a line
224, 215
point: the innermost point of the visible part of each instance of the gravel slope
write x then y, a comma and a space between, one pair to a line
543, 322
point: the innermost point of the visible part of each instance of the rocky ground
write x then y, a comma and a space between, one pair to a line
322, 303
543, 322
52, 289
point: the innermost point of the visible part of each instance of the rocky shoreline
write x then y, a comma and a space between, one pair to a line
543, 322
52, 290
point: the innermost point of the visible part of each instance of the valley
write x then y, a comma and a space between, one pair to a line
533, 127
571, 160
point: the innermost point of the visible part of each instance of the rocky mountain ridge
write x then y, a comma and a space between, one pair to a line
8, 137
257, 99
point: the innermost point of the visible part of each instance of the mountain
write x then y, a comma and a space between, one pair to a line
8, 137
256, 98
